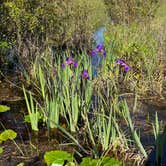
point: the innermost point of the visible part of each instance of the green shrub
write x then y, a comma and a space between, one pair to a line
130, 10
53, 22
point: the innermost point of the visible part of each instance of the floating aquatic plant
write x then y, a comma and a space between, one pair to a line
69, 61
123, 64
58, 158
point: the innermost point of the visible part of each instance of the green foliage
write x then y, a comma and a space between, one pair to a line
32, 110
4, 108
127, 11
20, 164
137, 141
138, 45
62, 92
7, 134
42, 22
61, 157
28, 120
106, 161
1, 150
57, 157
4, 46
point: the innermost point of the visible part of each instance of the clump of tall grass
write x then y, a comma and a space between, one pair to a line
62, 90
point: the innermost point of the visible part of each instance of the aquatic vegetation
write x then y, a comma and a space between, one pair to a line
4, 108
127, 117
63, 94
158, 154
85, 75
85, 115
58, 158
69, 61
32, 110
7, 134
123, 64
99, 49
103, 161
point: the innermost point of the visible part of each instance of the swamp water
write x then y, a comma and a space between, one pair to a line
34, 145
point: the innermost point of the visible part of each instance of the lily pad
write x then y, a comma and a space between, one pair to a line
106, 161
7, 134
4, 108
57, 157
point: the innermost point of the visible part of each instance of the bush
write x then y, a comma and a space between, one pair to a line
53, 22
130, 10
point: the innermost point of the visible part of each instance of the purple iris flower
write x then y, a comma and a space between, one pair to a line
69, 61
120, 62
85, 75
105, 53
75, 64
126, 68
63, 65
99, 48
93, 53
123, 64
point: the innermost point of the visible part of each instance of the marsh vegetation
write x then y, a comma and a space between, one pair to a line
82, 82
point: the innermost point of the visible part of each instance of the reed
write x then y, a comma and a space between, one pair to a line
32, 110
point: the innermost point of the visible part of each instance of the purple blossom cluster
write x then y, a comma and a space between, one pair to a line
99, 49
123, 64
70, 61
85, 75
